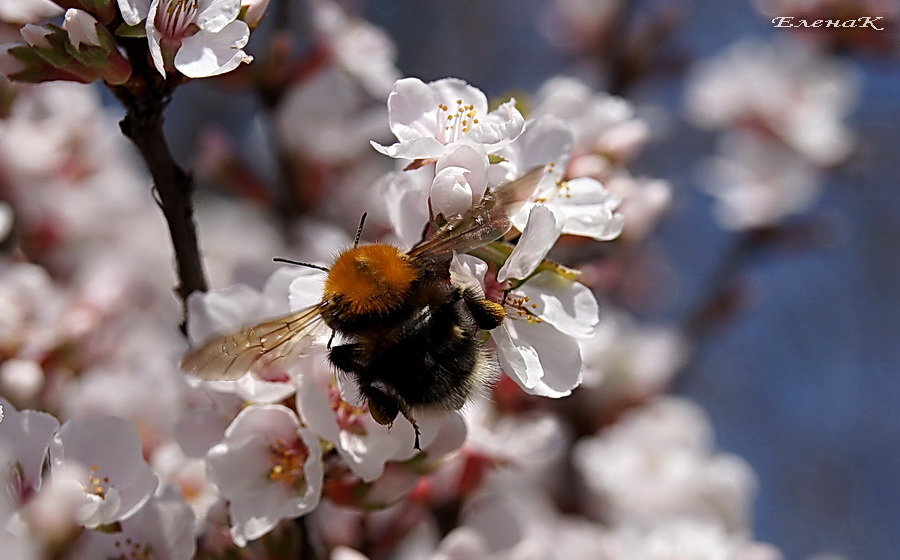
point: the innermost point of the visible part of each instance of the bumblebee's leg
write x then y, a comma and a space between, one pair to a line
347, 358
407, 413
382, 406
487, 314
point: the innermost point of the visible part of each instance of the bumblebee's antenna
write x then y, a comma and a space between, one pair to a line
298, 263
359, 229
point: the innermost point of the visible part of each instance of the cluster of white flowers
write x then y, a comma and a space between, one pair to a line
138, 460
782, 109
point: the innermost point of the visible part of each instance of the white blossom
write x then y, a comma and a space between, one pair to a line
199, 37
25, 439
536, 344
430, 119
163, 528
268, 468
116, 481
790, 91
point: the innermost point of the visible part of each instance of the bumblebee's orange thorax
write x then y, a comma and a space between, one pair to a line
372, 279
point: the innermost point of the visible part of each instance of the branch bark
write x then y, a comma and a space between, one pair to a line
145, 97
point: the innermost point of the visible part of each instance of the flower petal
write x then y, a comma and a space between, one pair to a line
542, 360
539, 235
134, 11
417, 148
450, 191
209, 54
412, 107
214, 15
569, 306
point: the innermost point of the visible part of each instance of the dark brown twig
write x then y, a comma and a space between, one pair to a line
145, 97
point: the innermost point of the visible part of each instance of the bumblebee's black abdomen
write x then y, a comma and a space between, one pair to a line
433, 360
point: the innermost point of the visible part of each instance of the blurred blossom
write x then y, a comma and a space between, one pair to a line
757, 183
188, 477
579, 24
688, 539
601, 123
781, 89
21, 380
163, 528
27, 11
328, 119
150, 397
199, 39
268, 467
359, 48
24, 441
625, 361
657, 464
30, 305
234, 237
115, 480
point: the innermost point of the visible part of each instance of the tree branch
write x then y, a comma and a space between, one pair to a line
145, 97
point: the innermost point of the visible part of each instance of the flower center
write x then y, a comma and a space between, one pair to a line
521, 308
130, 549
173, 17
457, 121
287, 461
96, 485
349, 417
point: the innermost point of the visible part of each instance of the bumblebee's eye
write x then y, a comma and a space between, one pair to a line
383, 407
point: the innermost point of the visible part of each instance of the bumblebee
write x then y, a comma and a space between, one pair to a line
410, 336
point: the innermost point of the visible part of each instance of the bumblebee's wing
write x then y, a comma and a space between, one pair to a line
232, 355
484, 222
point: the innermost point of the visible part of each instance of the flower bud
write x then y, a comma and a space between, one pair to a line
37, 36
92, 45
82, 28
22, 63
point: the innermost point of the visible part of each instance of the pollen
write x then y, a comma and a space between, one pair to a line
287, 461
129, 549
459, 121
349, 417
372, 279
97, 485
522, 309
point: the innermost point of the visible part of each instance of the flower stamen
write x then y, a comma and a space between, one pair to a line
287, 462
174, 17
522, 308
96, 485
460, 121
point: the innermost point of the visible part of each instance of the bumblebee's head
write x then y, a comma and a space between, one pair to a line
370, 280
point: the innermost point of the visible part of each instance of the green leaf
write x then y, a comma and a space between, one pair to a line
134, 31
